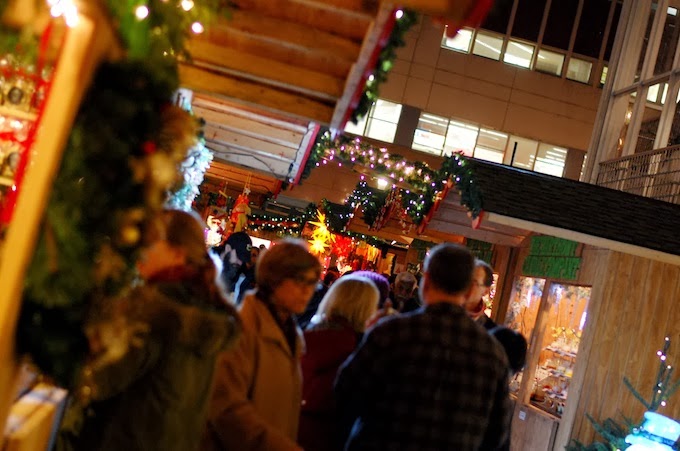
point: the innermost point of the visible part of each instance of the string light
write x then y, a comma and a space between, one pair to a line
66, 9
142, 12
187, 5
197, 28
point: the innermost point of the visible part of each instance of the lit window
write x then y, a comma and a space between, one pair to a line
521, 153
549, 62
359, 127
519, 54
550, 160
603, 77
461, 137
579, 70
491, 145
430, 134
488, 46
461, 41
382, 120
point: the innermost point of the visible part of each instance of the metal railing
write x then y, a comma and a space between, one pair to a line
655, 174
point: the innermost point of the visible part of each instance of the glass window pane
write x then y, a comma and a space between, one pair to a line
521, 153
461, 137
550, 160
603, 77
519, 54
669, 42
525, 301
386, 111
359, 127
430, 134
591, 27
461, 41
549, 62
560, 23
528, 19
648, 128
498, 16
488, 46
491, 145
381, 130
612, 31
579, 70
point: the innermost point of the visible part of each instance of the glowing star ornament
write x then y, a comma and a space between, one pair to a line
321, 236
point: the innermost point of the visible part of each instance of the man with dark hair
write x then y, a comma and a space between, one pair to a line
429, 379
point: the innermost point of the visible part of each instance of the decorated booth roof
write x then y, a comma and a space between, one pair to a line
580, 211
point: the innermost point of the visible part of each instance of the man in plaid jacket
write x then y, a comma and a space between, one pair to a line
431, 379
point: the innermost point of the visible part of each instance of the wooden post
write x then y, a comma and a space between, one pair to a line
85, 45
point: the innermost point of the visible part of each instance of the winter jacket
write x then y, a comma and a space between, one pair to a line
255, 404
155, 397
327, 346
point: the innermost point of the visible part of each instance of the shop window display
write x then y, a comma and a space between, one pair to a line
551, 316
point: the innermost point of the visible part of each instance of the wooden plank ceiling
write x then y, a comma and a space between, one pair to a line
300, 58
265, 77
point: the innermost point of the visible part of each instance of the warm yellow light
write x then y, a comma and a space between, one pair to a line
187, 5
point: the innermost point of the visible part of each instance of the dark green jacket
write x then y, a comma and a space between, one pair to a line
155, 397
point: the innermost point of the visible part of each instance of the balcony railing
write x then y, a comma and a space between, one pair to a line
654, 174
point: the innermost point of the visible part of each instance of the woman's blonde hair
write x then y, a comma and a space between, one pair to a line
353, 298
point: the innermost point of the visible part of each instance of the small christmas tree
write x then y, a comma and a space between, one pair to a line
615, 433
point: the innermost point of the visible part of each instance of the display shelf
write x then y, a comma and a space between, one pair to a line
559, 374
561, 352
11, 112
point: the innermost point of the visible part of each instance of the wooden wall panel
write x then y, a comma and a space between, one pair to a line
632, 312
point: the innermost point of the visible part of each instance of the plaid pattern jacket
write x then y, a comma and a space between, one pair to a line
428, 380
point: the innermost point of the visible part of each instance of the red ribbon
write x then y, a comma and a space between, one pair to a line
7, 207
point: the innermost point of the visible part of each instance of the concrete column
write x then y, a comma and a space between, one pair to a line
408, 121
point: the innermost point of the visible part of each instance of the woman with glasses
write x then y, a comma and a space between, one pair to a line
258, 385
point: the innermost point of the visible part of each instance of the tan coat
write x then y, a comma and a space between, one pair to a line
256, 399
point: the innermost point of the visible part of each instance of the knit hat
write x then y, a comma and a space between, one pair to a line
380, 281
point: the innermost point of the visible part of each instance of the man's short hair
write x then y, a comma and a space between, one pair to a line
488, 272
405, 282
449, 267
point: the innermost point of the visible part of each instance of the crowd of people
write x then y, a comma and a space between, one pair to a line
406, 365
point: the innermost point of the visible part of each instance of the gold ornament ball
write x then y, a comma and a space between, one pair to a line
130, 235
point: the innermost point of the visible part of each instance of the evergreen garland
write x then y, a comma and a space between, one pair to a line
94, 219
420, 184
384, 63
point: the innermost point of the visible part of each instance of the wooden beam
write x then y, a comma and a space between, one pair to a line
250, 128
363, 6
459, 216
359, 74
585, 238
294, 78
254, 94
319, 16
467, 231
250, 113
289, 33
267, 164
234, 139
280, 50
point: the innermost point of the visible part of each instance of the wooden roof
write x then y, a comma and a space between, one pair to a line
267, 77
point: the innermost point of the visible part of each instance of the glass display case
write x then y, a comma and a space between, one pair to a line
551, 316
522, 313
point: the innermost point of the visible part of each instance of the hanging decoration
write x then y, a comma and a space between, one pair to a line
619, 436
322, 238
419, 184
241, 210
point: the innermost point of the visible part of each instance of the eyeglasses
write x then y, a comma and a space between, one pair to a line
307, 282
